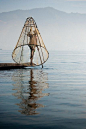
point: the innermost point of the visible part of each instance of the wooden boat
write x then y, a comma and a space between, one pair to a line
4, 66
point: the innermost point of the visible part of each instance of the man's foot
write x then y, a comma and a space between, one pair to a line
31, 63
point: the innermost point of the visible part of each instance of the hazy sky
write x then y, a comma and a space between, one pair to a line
63, 5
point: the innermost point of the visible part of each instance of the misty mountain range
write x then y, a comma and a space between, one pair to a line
59, 30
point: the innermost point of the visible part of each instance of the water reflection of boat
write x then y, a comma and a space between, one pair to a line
29, 86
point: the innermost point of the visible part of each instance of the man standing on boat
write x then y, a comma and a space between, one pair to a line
33, 42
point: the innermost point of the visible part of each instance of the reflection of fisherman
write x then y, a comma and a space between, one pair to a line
33, 42
29, 96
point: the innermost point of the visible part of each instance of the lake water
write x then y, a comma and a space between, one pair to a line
52, 97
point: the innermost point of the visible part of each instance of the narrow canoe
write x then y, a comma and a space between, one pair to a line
4, 66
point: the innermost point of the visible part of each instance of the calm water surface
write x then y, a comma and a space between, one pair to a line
52, 97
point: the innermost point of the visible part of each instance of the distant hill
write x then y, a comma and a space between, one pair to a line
59, 30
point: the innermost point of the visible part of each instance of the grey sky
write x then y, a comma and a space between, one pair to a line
76, 6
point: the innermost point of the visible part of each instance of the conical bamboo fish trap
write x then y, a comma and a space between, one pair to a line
22, 52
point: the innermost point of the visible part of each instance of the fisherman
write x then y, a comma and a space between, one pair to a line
32, 44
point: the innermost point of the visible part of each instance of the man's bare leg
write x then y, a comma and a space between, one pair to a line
32, 53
